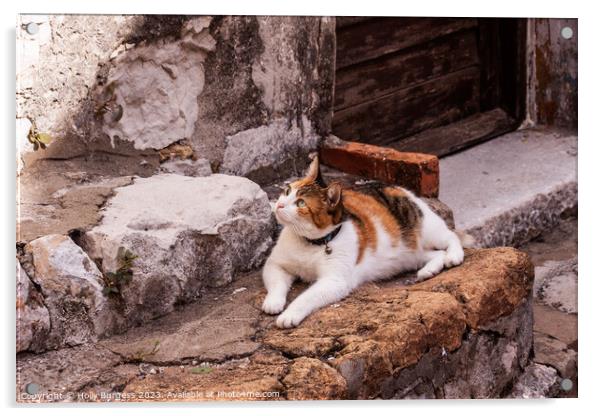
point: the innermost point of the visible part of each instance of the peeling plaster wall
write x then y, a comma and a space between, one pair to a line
226, 86
152, 89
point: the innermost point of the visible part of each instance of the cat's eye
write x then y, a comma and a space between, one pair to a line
287, 190
300, 203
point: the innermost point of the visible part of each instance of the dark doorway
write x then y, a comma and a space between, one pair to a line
432, 85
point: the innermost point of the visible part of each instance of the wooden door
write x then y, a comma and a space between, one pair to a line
432, 85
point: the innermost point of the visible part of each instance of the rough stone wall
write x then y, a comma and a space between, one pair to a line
249, 94
552, 73
278, 73
467, 372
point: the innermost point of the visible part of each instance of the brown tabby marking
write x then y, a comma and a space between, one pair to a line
408, 215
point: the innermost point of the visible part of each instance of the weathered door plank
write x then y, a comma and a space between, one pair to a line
375, 78
376, 37
408, 111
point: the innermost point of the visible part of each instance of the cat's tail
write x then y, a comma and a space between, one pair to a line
467, 240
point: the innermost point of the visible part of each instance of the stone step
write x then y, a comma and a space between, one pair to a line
465, 333
512, 188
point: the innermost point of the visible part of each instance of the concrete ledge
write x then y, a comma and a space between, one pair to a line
510, 189
416, 171
465, 333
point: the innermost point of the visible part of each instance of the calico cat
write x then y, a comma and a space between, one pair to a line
340, 238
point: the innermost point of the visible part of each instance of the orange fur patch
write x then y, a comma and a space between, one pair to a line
390, 205
395, 192
364, 208
301, 183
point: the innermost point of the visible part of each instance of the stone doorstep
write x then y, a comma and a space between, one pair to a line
416, 171
509, 190
464, 333
131, 224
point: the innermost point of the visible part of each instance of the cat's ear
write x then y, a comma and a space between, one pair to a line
333, 194
313, 172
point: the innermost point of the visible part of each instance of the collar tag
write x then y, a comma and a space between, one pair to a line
325, 240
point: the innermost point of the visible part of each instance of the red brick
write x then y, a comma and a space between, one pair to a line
417, 172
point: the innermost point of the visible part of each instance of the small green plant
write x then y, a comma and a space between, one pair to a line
123, 275
38, 139
201, 370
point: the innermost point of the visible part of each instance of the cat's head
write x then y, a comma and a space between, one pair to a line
310, 207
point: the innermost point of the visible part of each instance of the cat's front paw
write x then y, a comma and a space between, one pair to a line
273, 304
426, 273
454, 257
289, 319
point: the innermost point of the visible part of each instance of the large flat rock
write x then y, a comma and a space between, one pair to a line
186, 233
161, 241
221, 326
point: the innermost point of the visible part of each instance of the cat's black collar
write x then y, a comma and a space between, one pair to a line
325, 240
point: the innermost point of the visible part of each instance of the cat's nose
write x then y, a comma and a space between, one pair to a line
279, 205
